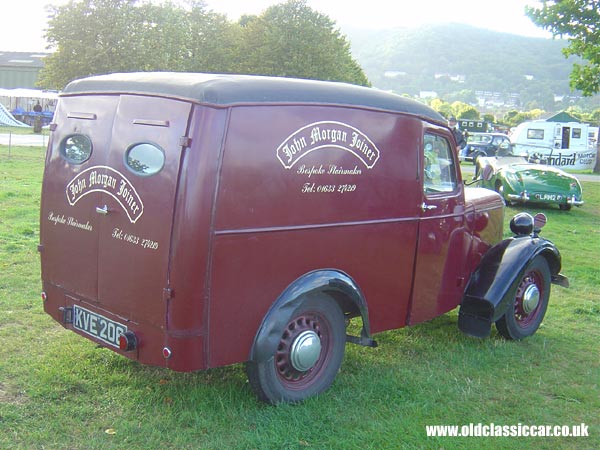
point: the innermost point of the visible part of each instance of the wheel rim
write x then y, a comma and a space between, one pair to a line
303, 351
528, 299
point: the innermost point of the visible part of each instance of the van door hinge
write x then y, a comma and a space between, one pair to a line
167, 294
185, 142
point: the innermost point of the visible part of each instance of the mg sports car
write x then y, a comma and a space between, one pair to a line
520, 181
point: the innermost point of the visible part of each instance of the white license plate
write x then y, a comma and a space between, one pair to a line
97, 326
550, 197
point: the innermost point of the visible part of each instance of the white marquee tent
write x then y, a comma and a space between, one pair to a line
26, 98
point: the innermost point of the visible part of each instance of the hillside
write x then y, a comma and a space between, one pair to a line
459, 61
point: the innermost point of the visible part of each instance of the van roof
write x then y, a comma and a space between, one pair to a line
225, 89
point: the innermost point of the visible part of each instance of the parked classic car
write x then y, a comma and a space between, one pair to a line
520, 180
484, 144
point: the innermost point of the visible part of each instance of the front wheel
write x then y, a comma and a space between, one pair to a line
498, 187
524, 316
308, 356
500, 190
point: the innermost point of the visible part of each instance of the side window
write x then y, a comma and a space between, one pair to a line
439, 170
533, 133
504, 148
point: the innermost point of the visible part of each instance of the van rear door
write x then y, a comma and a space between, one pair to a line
68, 229
122, 197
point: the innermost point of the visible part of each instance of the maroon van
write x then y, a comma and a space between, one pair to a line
193, 221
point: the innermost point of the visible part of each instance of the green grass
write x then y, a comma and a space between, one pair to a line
59, 391
21, 130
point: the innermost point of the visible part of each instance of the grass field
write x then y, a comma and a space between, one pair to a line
15, 130
22, 130
59, 391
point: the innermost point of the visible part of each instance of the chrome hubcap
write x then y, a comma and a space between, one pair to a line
305, 350
531, 298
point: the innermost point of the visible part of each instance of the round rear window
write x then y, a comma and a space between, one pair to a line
145, 159
76, 148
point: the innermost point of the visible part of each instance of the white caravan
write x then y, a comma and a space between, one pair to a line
568, 145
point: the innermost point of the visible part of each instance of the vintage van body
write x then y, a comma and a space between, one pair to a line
193, 221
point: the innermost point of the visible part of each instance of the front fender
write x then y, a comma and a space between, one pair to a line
493, 284
332, 283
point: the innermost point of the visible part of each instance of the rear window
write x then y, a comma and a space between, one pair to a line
145, 159
76, 148
479, 138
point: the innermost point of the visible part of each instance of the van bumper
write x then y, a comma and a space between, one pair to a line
181, 350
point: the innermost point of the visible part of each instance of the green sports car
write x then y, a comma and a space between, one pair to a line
520, 181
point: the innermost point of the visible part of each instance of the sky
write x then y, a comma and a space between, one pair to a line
24, 21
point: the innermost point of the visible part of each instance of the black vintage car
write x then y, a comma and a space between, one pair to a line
484, 144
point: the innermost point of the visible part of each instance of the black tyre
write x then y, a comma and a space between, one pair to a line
499, 187
524, 316
308, 357
564, 207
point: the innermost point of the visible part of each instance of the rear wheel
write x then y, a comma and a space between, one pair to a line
564, 207
308, 356
524, 316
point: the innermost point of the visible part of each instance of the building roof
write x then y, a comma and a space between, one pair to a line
216, 89
562, 116
22, 59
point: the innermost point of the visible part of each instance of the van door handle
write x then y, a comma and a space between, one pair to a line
426, 207
103, 210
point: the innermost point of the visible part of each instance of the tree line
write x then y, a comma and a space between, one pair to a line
290, 39
577, 21
511, 118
